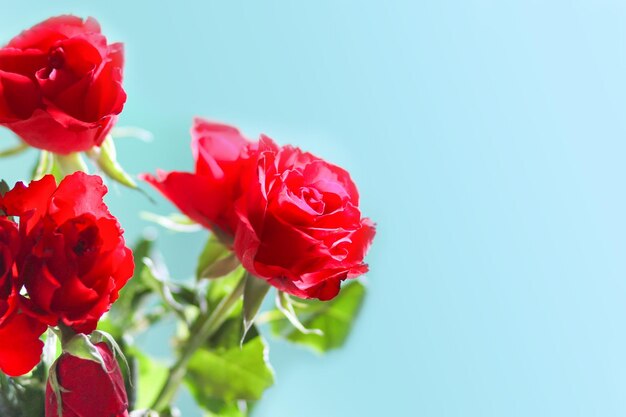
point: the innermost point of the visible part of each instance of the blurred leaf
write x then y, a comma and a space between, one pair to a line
151, 376
227, 409
212, 251
21, 397
220, 288
134, 293
17, 149
175, 222
230, 374
160, 284
105, 157
334, 318
4, 188
132, 132
220, 267
254, 292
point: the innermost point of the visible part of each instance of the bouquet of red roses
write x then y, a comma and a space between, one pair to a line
72, 293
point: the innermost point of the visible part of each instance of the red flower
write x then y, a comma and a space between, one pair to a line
208, 195
292, 218
20, 347
300, 228
87, 390
73, 260
61, 84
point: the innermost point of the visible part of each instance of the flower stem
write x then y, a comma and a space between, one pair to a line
204, 327
69, 164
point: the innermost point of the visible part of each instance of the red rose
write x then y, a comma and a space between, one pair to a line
208, 195
292, 217
87, 390
300, 227
73, 259
20, 347
61, 85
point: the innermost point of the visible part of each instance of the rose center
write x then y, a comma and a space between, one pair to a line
314, 199
56, 57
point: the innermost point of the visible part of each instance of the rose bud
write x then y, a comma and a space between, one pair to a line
86, 387
73, 258
292, 218
61, 85
20, 347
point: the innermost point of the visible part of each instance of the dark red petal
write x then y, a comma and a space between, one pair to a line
19, 97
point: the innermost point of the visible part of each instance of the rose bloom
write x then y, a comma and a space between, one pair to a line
291, 217
20, 347
61, 85
87, 390
73, 259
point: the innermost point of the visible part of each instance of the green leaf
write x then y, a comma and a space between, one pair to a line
150, 378
21, 397
228, 409
333, 318
134, 294
230, 374
213, 251
254, 292
105, 157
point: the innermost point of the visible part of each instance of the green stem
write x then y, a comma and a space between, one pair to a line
204, 327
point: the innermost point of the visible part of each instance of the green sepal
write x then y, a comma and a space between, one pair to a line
254, 292
221, 267
67, 165
81, 347
333, 318
285, 305
99, 336
57, 389
105, 157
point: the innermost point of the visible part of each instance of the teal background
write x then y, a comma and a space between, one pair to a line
488, 142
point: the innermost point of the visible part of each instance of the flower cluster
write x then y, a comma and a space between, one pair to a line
287, 217
63, 261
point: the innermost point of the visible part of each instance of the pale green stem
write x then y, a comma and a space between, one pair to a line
204, 327
69, 164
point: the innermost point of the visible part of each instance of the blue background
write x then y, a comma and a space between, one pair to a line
488, 142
